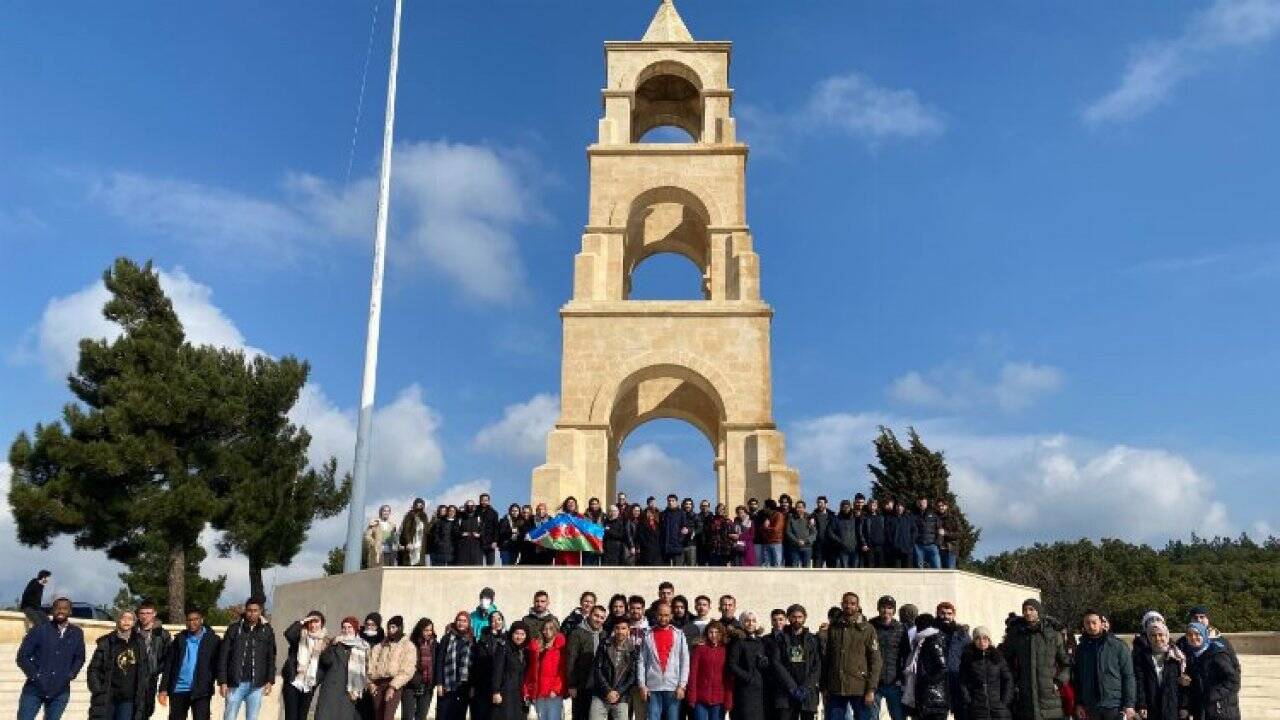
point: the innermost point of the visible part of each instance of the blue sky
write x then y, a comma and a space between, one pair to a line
1046, 234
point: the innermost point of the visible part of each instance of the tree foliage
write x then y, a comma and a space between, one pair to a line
271, 496
1237, 579
909, 472
333, 564
148, 579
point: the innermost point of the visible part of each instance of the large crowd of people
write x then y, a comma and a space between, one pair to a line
858, 533
633, 657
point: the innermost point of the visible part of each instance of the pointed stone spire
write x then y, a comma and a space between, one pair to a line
667, 26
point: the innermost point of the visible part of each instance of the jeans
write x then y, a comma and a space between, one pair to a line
892, 697
489, 554
601, 710
591, 559
799, 557
181, 703
927, 556
839, 707
759, 554
549, 708
663, 705
948, 559
30, 702
703, 711
847, 559
691, 556
247, 694
121, 711
508, 557
769, 555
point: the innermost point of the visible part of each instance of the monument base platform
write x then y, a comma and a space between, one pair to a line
439, 593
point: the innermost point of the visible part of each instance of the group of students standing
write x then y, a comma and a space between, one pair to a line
859, 533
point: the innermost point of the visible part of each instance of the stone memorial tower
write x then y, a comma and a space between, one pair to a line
625, 361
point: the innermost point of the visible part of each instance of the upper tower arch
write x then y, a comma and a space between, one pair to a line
667, 93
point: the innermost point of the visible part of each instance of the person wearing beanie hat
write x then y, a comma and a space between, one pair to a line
1039, 663
392, 663
1214, 674
1200, 614
986, 685
1158, 667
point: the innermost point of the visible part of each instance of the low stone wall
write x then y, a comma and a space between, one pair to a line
438, 593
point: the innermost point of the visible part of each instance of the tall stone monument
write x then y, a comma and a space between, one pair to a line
627, 361
706, 361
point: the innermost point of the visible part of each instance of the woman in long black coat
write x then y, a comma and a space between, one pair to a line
509, 663
648, 540
471, 537
1215, 677
748, 663
333, 699
488, 645
931, 694
1161, 696
986, 685
444, 537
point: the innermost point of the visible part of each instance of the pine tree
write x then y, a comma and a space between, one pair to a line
907, 473
132, 464
272, 496
148, 578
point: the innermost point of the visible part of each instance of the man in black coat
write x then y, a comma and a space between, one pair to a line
489, 529
674, 527
155, 641
796, 657
895, 650
823, 556
32, 604
187, 677
246, 662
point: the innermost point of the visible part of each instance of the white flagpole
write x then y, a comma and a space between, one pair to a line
364, 428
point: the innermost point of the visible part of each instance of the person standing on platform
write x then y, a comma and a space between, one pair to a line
744, 538
823, 556
798, 537
489, 531
874, 536
186, 684
388, 537
596, 514
649, 545
926, 540
949, 534
903, 538
471, 534
509, 536
674, 527
580, 655
444, 536
852, 664
773, 528
843, 536
413, 534
618, 539
32, 603
391, 667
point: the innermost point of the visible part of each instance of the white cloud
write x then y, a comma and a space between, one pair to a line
68, 319
454, 206
855, 104
647, 470
407, 456
1016, 386
522, 431
1027, 488
1156, 68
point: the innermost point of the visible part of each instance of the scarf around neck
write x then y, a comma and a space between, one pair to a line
310, 645
457, 662
357, 665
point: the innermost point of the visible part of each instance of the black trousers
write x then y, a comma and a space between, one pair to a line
580, 706
453, 706
181, 703
793, 714
296, 703
416, 703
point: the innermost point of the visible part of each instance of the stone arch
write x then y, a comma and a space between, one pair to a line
667, 92
680, 365
666, 220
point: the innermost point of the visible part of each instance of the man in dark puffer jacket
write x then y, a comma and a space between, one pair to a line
246, 662
1039, 663
895, 649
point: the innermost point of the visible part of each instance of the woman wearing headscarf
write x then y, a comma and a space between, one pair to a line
415, 701
510, 665
986, 685
616, 538
1214, 680
748, 663
444, 536
373, 635
454, 661
1158, 667
342, 675
307, 639
488, 645
391, 667
117, 674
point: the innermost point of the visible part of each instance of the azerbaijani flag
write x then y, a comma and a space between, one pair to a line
569, 532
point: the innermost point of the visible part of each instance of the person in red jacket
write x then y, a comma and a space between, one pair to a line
710, 692
544, 680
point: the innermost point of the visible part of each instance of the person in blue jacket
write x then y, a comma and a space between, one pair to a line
51, 656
